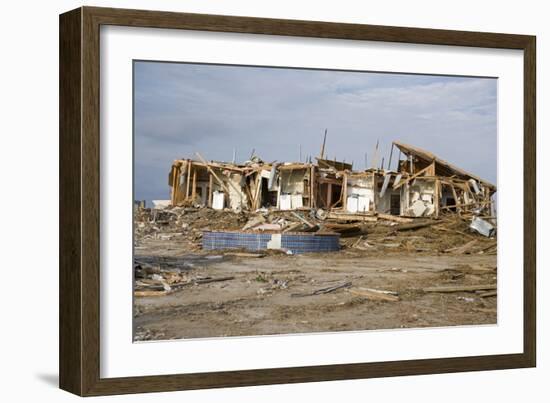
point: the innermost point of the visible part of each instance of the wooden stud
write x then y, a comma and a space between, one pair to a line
210, 190
312, 201
437, 197
194, 191
174, 184
457, 201
218, 179
345, 191
257, 189
188, 179
375, 191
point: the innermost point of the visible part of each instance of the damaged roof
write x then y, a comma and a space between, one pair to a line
443, 167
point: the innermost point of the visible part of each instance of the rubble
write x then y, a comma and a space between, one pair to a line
483, 227
450, 233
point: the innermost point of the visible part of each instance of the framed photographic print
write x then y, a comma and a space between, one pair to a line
249, 201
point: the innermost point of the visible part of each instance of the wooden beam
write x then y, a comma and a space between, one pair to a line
173, 195
194, 191
255, 202
395, 218
422, 171
323, 146
374, 295
461, 288
375, 189
210, 190
437, 197
345, 191
312, 187
456, 199
188, 179
213, 174
352, 217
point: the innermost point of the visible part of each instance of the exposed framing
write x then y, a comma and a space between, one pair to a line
79, 200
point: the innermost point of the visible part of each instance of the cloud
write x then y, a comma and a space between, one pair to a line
184, 108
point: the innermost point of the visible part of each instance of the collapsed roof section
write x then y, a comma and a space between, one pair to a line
422, 159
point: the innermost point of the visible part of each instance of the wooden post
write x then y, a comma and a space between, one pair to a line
345, 192
431, 170
255, 203
194, 191
375, 191
188, 179
312, 201
174, 183
323, 146
210, 190
329, 195
279, 191
216, 176
437, 196
457, 202
219, 180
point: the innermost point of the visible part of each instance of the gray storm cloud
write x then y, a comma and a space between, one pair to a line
181, 108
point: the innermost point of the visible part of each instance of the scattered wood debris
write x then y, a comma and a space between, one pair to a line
462, 249
143, 293
325, 290
395, 218
373, 294
245, 254
207, 280
461, 288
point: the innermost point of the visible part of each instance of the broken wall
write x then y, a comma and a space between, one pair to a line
231, 194
237, 196
418, 198
360, 194
291, 189
292, 182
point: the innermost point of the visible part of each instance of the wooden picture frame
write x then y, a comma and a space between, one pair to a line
79, 346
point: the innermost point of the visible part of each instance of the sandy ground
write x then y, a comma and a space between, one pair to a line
259, 301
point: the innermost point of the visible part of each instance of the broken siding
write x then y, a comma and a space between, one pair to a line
237, 197
420, 198
292, 182
292, 188
360, 194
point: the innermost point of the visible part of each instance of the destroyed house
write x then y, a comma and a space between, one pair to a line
430, 186
249, 186
422, 186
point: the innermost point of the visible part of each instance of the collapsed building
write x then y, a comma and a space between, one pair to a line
422, 185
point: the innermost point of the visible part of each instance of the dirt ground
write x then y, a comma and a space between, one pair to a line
259, 296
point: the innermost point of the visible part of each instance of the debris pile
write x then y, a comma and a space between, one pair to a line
466, 233
182, 223
150, 280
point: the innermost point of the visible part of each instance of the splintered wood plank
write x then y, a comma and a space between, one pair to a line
460, 288
375, 295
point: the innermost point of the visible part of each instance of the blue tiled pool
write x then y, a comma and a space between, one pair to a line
295, 242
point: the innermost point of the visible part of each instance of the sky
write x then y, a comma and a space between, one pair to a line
183, 108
